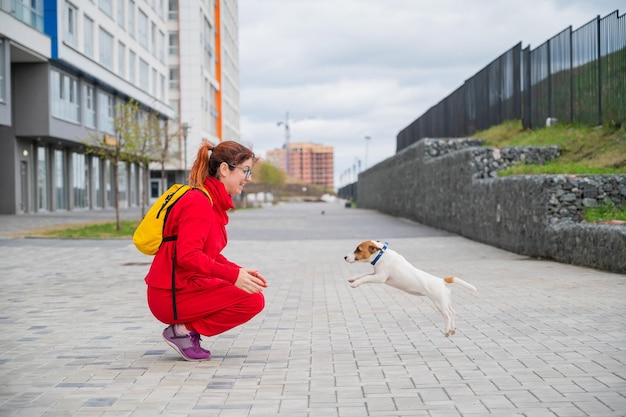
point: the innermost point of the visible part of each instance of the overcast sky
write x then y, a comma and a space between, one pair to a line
347, 69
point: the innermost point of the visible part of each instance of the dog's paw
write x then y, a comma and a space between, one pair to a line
450, 332
354, 283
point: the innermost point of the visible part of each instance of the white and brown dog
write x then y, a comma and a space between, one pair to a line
393, 269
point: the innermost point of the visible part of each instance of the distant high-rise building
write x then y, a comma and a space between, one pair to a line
310, 162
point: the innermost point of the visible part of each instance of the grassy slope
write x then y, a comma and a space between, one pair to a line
585, 150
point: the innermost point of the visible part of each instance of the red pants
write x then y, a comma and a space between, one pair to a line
208, 306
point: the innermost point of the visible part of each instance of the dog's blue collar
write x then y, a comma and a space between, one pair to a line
380, 253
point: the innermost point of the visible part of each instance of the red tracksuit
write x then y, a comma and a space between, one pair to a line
207, 300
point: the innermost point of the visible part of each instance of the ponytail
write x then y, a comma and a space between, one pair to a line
200, 169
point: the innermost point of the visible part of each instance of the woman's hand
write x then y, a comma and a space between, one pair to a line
250, 280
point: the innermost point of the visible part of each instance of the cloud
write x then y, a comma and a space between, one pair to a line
346, 69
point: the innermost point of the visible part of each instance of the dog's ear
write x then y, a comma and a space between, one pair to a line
374, 248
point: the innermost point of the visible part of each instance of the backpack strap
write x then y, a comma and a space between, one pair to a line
174, 284
172, 238
205, 192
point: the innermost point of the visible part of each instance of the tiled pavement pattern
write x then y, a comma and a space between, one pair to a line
538, 339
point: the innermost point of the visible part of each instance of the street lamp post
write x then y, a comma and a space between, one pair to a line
286, 124
185, 127
367, 142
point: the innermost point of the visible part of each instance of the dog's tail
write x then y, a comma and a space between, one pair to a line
455, 280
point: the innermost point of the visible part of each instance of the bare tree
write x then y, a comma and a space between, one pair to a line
164, 151
117, 149
154, 138
146, 147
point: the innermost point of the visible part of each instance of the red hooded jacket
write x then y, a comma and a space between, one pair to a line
201, 230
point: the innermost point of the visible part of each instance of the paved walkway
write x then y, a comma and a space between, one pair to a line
539, 339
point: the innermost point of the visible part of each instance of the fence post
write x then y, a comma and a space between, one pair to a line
571, 76
599, 71
549, 79
526, 117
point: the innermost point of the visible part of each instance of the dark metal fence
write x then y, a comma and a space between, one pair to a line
576, 76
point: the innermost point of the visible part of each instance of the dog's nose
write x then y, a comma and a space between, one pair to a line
345, 257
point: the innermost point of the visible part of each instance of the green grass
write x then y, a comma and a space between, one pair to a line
554, 168
604, 213
92, 231
584, 149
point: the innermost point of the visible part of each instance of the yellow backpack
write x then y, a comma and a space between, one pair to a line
148, 236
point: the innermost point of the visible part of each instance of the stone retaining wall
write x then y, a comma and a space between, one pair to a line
452, 185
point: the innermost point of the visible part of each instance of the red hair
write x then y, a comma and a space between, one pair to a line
206, 164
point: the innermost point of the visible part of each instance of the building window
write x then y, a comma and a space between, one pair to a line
174, 78
108, 180
106, 49
65, 104
161, 47
174, 105
173, 49
88, 38
29, 12
106, 6
2, 71
132, 61
204, 94
133, 185
80, 180
121, 18
162, 87
42, 175
89, 106
207, 37
97, 195
153, 39
122, 184
121, 59
70, 25
153, 91
131, 18
144, 74
143, 29
106, 112
172, 9
161, 9
60, 180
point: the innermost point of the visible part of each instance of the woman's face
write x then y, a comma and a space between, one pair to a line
236, 178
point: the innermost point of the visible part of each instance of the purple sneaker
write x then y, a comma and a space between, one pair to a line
187, 345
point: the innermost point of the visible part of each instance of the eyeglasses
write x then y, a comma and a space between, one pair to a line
246, 170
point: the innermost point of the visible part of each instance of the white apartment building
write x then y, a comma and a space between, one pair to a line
64, 68
65, 64
203, 78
